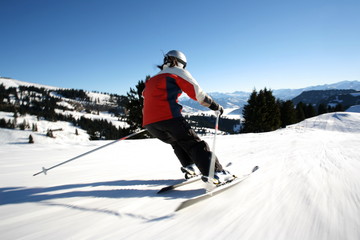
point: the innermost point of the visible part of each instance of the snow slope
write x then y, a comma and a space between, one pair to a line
65, 136
307, 187
100, 98
355, 108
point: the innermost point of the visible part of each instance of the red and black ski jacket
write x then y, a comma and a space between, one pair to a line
162, 91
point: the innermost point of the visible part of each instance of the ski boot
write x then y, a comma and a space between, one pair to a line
220, 178
190, 171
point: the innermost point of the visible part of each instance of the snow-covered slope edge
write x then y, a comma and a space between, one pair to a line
338, 121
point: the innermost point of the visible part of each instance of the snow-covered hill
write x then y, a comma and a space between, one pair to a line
100, 98
307, 187
67, 133
9, 82
355, 108
28, 104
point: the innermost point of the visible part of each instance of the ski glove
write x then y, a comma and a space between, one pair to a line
221, 110
216, 107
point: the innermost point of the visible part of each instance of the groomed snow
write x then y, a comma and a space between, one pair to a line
307, 187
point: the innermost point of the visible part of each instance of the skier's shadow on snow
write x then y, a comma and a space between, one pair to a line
18, 195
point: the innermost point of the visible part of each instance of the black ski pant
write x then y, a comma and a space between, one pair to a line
188, 147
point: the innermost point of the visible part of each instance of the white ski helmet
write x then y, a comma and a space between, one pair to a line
178, 55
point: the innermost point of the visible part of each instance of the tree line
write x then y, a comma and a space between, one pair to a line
42, 103
264, 113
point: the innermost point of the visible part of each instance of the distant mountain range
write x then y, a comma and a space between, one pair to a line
288, 94
238, 99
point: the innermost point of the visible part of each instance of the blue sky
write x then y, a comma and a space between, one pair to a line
109, 45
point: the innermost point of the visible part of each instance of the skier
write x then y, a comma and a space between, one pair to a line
162, 116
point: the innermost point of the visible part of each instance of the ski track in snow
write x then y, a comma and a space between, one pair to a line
307, 187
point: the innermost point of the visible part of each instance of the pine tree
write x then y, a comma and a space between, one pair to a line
309, 111
3, 123
262, 113
339, 108
31, 139
271, 111
322, 109
288, 113
134, 105
2, 93
249, 113
23, 125
34, 127
300, 113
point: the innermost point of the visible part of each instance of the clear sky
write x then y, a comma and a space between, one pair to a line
231, 45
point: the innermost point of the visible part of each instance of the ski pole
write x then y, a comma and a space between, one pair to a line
45, 170
213, 156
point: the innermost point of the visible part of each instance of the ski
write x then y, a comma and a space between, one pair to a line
176, 185
188, 180
217, 190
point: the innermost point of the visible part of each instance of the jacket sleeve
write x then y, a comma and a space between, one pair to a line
190, 86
